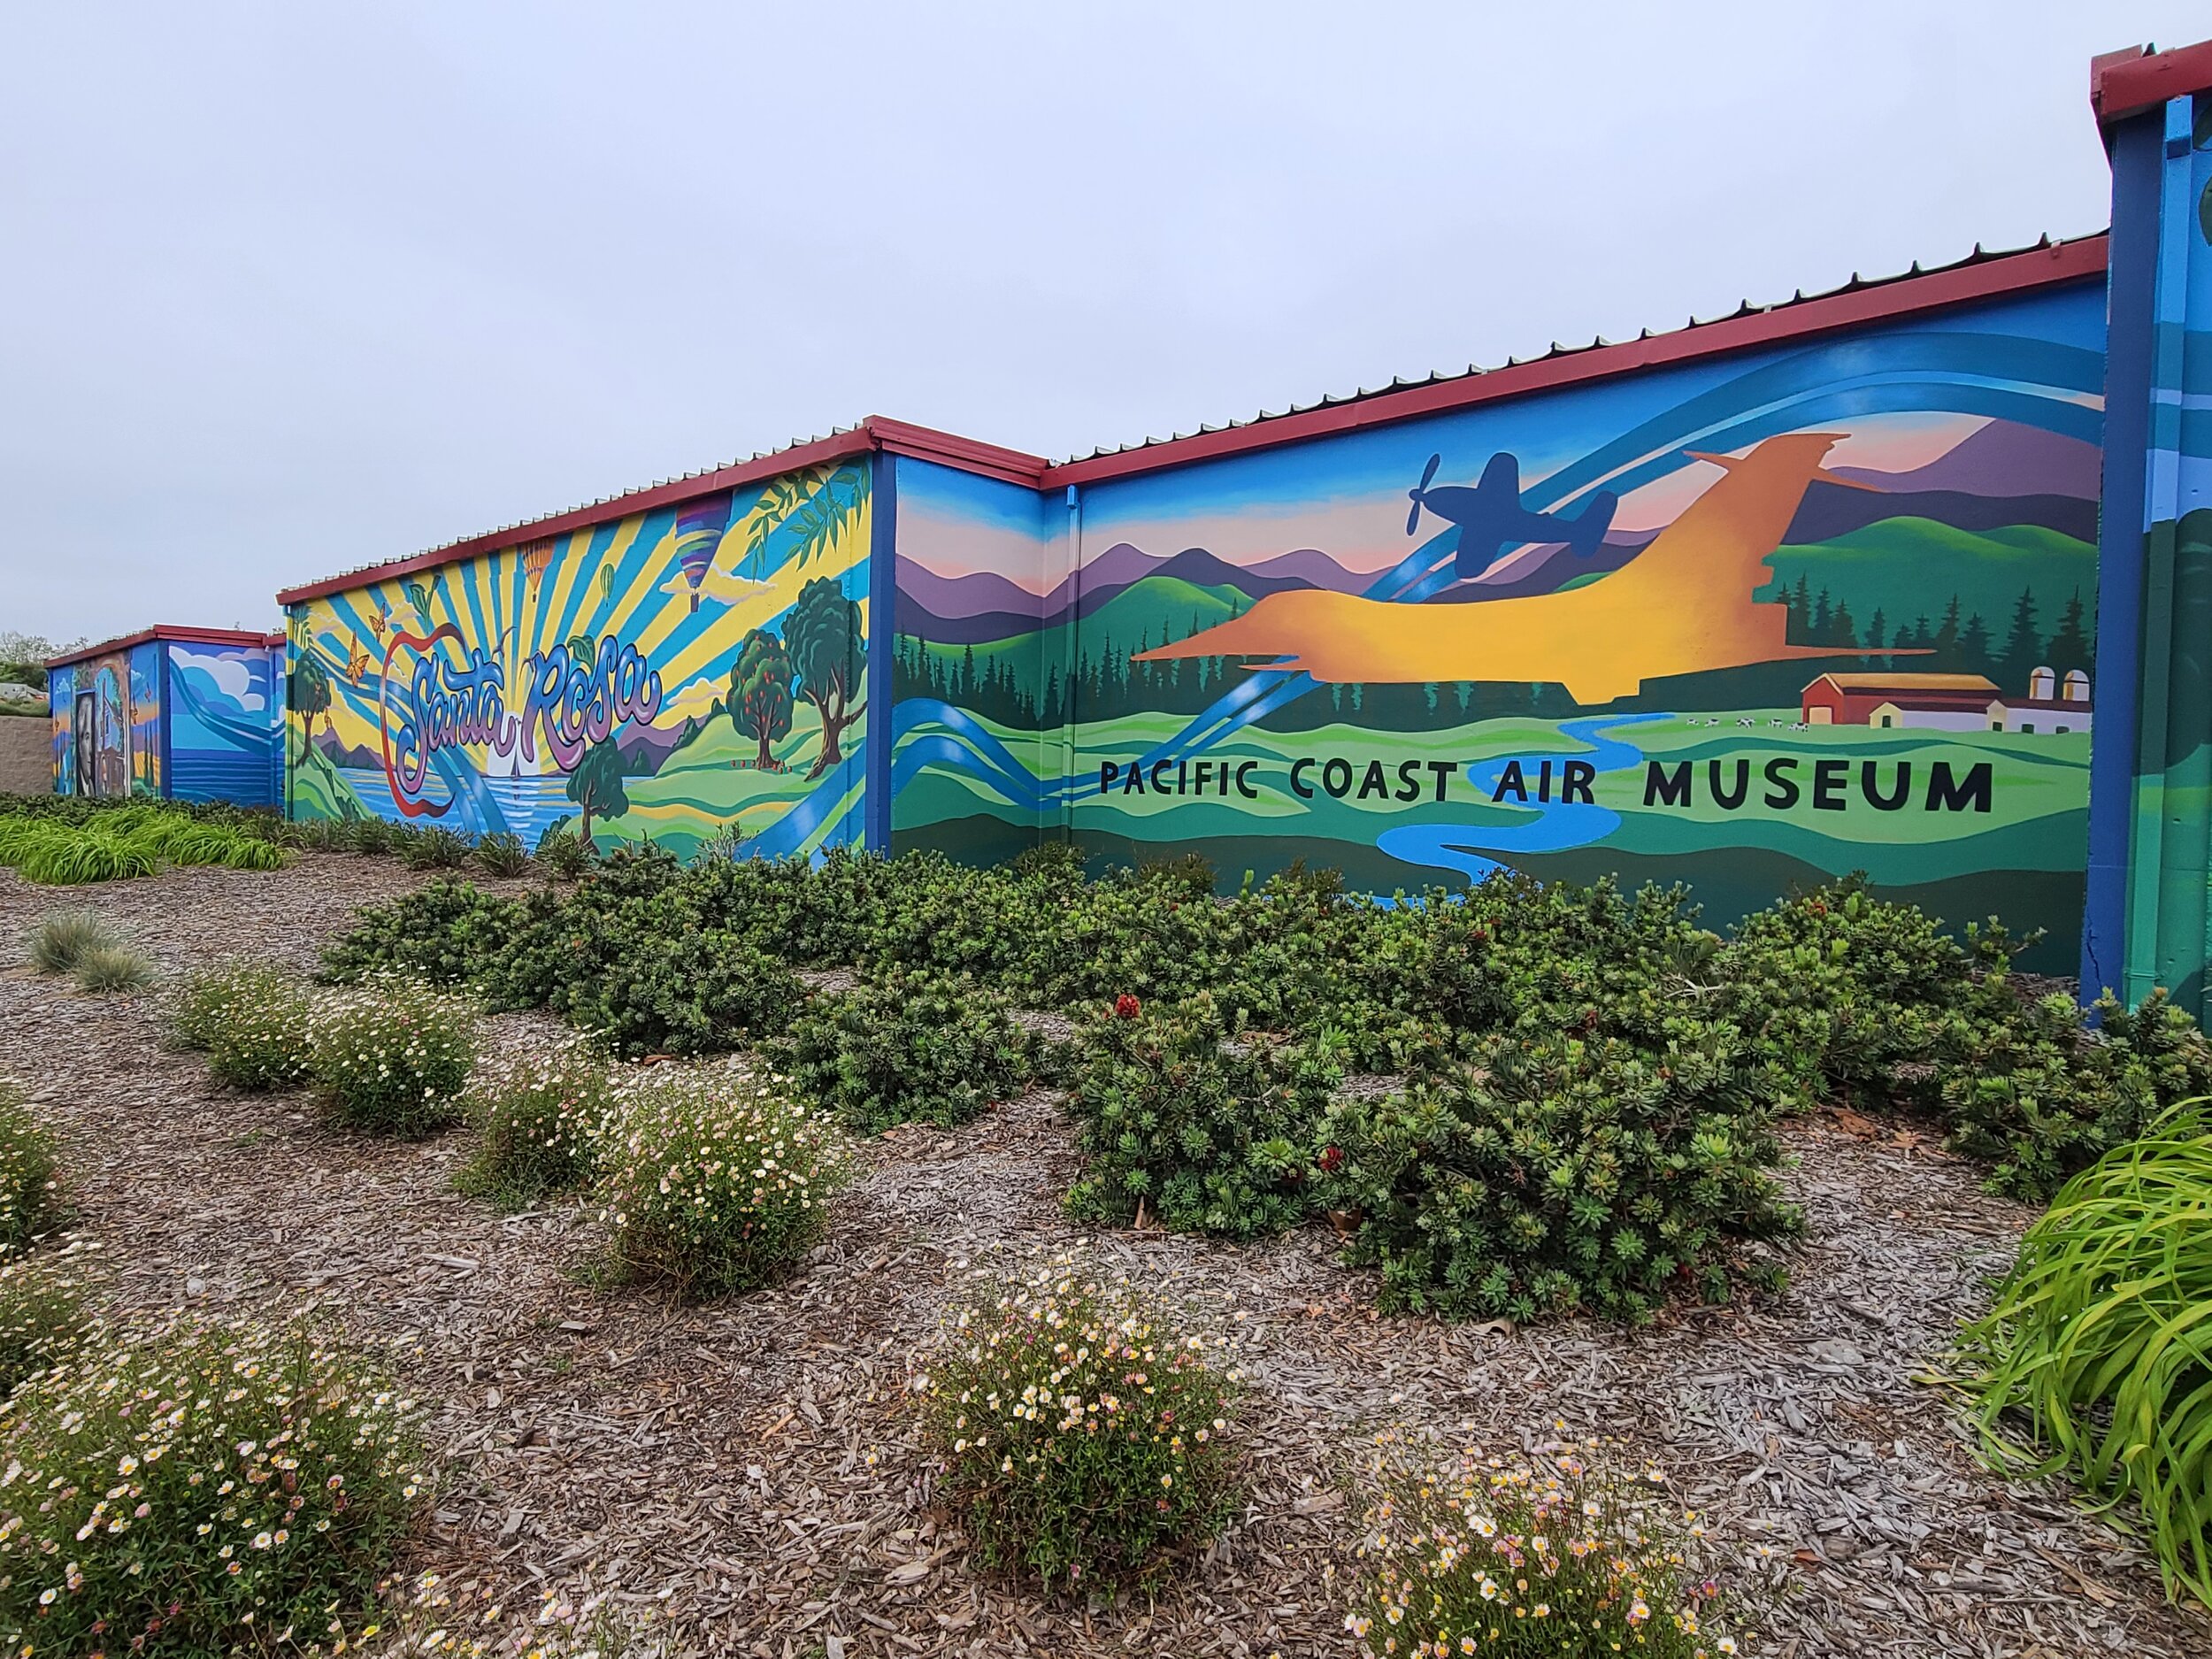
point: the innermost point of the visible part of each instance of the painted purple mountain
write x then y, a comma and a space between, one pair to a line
327, 743
2003, 459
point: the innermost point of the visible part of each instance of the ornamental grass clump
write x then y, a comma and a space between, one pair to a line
1082, 1435
30, 1196
540, 1118
2099, 1344
106, 969
392, 1058
253, 1022
62, 937
198, 1489
913, 1046
716, 1181
1554, 1551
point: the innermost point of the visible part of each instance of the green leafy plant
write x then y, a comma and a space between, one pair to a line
913, 1046
503, 854
62, 936
714, 1182
184, 1486
539, 1119
1554, 1550
1565, 1173
2099, 1343
1185, 1121
255, 1023
30, 1196
393, 1057
564, 852
1083, 1435
106, 969
434, 847
371, 836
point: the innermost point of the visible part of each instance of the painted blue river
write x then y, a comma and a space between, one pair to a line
1554, 827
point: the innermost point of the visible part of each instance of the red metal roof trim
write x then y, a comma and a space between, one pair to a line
878, 432
164, 631
2135, 79
1978, 276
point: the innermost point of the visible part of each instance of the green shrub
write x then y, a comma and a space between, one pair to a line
42, 1316
393, 1057
503, 854
2098, 1346
443, 932
715, 1182
1184, 1120
177, 1492
669, 991
433, 848
1557, 1550
62, 936
1839, 987
30, 1196
255, 1024
1562, 1172
2031, 1091
540, 1120
111, 968
913, 1046
1082, 1435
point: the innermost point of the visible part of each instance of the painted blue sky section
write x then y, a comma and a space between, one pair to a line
2061, 333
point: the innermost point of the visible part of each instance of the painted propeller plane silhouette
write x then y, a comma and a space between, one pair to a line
1491, 519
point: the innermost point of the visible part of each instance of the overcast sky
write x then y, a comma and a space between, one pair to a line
286, 289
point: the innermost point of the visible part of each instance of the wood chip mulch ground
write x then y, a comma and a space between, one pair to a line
743, 1478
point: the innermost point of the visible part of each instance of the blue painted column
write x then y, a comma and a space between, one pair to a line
2150, 843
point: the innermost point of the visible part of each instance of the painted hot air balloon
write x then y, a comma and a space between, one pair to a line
535, 556
699, 529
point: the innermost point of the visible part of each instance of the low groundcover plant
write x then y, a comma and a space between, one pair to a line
715, 1179
540, 1118
1554, 1551
30, 1196
200, 1488
392, 1058
253, 1023
1081, 1437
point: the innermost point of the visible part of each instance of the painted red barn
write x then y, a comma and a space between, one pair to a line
1952, 702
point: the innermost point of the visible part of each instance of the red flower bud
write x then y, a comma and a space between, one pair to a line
1127, 1007
1332, 1159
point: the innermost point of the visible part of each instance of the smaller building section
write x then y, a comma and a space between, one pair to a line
2052, 704
172, 714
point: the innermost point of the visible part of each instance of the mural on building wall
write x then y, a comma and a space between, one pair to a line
106, 713
1746, 622
225, 731
691, 673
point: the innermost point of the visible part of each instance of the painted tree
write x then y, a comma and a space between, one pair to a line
760, 692
823, 637
595, 785
2070, 645
2024, 647
308, 690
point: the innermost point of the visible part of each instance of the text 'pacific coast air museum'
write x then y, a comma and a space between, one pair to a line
1914, 577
